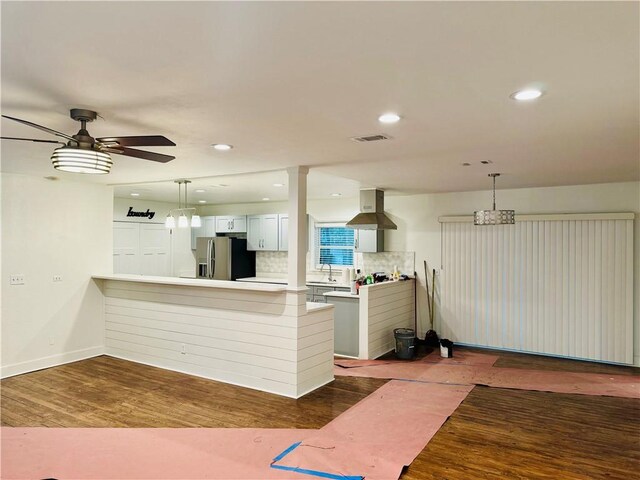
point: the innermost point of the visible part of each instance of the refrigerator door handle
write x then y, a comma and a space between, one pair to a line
208, 272
213, 258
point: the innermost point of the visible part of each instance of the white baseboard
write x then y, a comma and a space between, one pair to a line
51, 361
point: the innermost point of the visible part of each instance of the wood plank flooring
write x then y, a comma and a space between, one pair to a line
494, 434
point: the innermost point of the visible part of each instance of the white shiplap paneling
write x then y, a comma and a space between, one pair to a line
383, 308
252, 338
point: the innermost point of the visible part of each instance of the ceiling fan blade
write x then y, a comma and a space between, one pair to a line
132, 152
32, 140
138, 141
40, 127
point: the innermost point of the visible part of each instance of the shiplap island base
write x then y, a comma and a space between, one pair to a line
259, 336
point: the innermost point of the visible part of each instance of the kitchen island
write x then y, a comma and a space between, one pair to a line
261, 336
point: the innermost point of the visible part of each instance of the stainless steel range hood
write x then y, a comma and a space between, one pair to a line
371, 216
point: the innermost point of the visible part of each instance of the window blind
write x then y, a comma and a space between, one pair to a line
334, 245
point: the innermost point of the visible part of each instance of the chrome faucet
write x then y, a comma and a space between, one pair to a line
330, 272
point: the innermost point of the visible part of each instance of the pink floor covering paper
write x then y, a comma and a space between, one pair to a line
374, 439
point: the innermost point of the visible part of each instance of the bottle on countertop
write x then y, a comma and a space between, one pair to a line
396, 273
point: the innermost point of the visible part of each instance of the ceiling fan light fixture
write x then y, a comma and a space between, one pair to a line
77, 160
494, 217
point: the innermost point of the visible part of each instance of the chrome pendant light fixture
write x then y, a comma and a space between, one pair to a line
183, 220
494, 217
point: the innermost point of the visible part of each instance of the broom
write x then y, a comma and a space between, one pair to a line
431, 338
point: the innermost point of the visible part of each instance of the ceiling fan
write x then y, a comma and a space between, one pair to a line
84, 154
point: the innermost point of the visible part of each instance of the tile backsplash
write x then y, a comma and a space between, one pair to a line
274, 264
271, 262
386, 261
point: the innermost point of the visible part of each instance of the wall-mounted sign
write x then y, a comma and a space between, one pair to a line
148, 214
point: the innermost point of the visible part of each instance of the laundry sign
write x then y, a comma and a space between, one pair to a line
147, 214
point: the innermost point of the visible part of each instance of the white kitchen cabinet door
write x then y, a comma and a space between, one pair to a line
369, 241
231, 224
254, 232
155, 248
262, 232
283, 234
208, 229
208, 226
126, 247
270, 232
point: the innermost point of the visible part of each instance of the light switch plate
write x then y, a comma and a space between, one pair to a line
17, 279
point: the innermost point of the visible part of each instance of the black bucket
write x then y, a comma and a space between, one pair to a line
405, 343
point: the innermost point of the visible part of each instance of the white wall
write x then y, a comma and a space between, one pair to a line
183, 261
53, 228
419, 230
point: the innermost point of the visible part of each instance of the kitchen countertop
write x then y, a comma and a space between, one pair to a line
283, 281
342, 295
194, 282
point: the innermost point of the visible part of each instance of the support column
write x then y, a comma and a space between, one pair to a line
297, 227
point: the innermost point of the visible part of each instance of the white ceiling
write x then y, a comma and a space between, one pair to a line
289, 83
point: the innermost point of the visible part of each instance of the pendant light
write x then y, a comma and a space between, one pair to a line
183, 220
494, 217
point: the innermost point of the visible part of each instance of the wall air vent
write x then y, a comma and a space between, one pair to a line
371, 138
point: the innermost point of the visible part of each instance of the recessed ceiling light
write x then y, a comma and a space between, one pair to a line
528, 94
202, 201
278, 184
336, 194
219, 185
222, 146
389, 118
200, 190
265, 199
134, 194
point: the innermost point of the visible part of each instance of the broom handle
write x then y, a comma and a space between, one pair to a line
433, 293
426, 282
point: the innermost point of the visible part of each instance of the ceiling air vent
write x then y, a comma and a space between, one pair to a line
371, 138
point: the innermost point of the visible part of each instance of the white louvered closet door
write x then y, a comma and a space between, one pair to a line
558, 285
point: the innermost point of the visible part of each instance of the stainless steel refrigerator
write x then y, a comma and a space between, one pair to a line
224, 258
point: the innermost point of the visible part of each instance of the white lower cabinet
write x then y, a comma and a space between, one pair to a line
262, 232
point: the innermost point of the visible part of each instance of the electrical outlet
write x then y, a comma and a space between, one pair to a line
17, 279
183, 349
57, 278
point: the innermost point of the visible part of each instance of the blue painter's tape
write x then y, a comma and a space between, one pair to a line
305, 471
286, 452
317, 473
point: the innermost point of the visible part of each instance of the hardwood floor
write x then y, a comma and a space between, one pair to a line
494, 434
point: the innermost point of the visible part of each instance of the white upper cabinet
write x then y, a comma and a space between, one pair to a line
283, 234
262, 232
208, 229
231, 224
369, 240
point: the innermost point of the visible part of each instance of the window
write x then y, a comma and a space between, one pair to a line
334, 245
